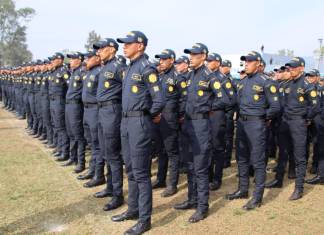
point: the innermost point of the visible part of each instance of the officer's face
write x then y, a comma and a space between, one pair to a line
296, 72
321, 83
286, 75
225, 70
93, 61
213, 65
181, 67
196, 60
165, 64
106, 53
74, 63
133, 50
251, 66
311, 79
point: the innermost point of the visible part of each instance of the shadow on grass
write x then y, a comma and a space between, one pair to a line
43, 221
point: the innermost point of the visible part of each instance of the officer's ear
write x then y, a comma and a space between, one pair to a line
141, 47
205, 57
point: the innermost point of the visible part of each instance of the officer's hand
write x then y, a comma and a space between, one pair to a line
268, 123
308, 122
181, 120
157, 119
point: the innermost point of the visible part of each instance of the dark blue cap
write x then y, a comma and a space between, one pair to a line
39, 62
134, 36
90, 53
166, 54
46, 61
214, 56
182, 59
58, 55
107, 42
76, 55
263, 62
197, 48
313, 73
226, 63
296, 62
252, 56
121, 59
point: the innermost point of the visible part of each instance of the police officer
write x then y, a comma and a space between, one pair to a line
45, 104
229, 133
300, 107
313, 78
182, 68
167, 130
218, 120
142, 103
258, 103
202, 94
57, 92
90, 119
74, 113
319, 178
109, 95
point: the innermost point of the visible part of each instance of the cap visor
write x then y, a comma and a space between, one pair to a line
126, 40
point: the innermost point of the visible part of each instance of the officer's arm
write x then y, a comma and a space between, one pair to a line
229, 89
272, 96
312, 101
151, 80
182, 88
220, 96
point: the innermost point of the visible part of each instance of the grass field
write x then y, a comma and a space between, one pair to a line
38, 196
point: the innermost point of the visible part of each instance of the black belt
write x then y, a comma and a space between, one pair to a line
169, 110
73, 102
109, 102
251, 118
90, 105
196, 116
135, 113
293, 117
53, 97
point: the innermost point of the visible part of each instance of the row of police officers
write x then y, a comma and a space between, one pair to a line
182, 110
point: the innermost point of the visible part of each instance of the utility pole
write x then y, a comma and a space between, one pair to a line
320, 56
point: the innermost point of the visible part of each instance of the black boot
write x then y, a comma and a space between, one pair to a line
139, 228
237, 195
252, 204
316, 180
114, 203
274, 184
297, 194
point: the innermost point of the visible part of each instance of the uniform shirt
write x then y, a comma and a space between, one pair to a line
300, 98
90, 85
229, 90
320, 91
141, 89
58, 85
74, 91
257, 96
203, 91
38, 80
110, 81
171, 90
44, 84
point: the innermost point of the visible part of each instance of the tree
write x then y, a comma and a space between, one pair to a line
92, 38
13, 26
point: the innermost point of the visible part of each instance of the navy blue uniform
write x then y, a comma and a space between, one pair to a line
201, 95
257, 101
57, 92
225, 93
90, 119
167, 130
300, 104
109, 95
74, 116
141, 100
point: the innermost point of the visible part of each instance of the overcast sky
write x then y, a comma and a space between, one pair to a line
226, 27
